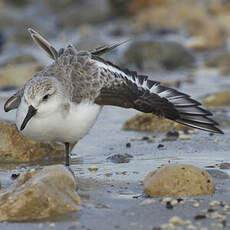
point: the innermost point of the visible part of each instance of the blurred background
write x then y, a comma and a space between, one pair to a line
183, 43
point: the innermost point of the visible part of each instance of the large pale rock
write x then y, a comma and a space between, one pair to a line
17, 75
16, 147
39, 194
150, 122
178, 180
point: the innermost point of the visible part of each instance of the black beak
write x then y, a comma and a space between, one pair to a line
31, 112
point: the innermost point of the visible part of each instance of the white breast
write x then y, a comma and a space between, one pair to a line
57, 127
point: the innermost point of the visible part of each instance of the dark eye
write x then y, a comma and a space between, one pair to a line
45, 97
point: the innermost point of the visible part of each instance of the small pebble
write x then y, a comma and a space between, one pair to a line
176, 220
93, 168
166, 199
200, 217
218, 225
216, 140
108, 174
191, 227
167, 226
216, 215
133, 138
179, 200
225, 165
147, 202
15, 175
145, 138
169, 205
196, 205
160, 146
120, 158
214, 203
184, 137
174, 202
52, 225
171, 135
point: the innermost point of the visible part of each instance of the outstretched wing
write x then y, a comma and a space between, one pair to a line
126, 89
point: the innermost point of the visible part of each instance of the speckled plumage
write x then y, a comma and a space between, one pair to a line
73, 89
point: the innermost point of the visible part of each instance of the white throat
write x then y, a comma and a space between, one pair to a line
60, 126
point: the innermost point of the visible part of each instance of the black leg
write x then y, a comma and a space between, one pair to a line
67, 154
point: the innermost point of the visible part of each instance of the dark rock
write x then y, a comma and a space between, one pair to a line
128, 145
157, 56
145, 138
18, 3
160, 146
120, 158
171, 135
169, 205
15, 175
119, 7
200, 217
2, 39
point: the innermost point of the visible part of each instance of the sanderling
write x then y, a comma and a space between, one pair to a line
62, 102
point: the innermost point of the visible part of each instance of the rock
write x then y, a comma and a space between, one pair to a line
17, 75
194, 17
178, 180
18, 148
220, 61
202, 25
171, 135
14, 21
225, 165
88, 12
40, 194
157, 56
120, 158
2, 39
21, 59
131, 7
217, 100
18, 3
215, 173
150, 122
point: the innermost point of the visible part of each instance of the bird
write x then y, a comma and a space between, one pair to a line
62, 102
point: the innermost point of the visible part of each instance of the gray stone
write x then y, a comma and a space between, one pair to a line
157, 56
